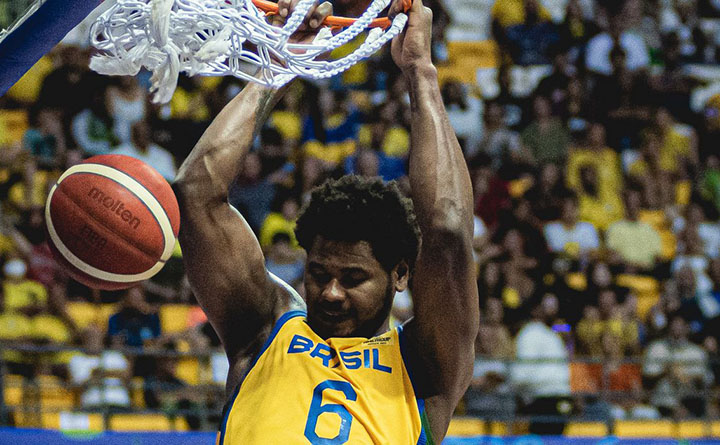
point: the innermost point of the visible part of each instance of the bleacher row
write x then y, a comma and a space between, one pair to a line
459, 427
464, 427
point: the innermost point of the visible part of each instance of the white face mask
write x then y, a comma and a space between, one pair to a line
15, 268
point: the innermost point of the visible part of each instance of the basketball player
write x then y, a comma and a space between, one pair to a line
328, 370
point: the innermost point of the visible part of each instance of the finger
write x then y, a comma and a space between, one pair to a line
284, 7
396, 8
320, 14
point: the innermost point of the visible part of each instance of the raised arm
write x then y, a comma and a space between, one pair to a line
223, 260
444, 290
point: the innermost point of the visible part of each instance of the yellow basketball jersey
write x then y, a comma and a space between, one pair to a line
302, 389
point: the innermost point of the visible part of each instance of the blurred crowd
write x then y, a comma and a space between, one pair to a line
593, 144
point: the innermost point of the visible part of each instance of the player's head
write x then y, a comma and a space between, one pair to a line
362, 239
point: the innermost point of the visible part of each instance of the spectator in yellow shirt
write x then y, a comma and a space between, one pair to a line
594, 152
655, 181
506, 13
20, 293
632, 242
600, 209
679, 142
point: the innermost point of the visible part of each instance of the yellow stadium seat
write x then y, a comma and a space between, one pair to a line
54, 395
188, 370
498, 429
715, 429
140, 422
104, 314
174, 318
641, 428
180, 424
586, 429
692, 429
72, 421
13, 390
137, 392
465, 58
466, 426
82, 313
13, 124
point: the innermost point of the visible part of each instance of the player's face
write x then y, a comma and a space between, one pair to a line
348, 292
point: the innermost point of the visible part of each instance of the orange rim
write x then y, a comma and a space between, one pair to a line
271, 8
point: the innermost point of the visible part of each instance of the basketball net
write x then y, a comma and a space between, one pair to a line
225, 38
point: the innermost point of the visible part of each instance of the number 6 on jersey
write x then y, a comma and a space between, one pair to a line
317, 408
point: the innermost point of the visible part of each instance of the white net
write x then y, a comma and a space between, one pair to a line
223, 38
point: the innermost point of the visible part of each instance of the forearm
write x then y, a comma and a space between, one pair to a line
442, 192
217, 157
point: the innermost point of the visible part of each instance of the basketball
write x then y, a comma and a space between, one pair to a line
112, 221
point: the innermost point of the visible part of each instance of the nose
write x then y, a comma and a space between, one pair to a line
333, 291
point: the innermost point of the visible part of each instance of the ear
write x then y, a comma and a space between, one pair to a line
400, 275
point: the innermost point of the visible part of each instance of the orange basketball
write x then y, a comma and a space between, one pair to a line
112, 221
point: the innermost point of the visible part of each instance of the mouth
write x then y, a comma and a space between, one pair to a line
332, 315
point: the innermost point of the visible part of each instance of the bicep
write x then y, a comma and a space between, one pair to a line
226, 270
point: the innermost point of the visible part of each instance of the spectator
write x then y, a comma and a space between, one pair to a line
606, 331
164, 390
498, 141
621, 100
676, 371
284, 261
100, 373
569, 235
599, 48
92, 127
465, 113
126, 104
529, 42
679, 142
633, 242
710, 182
370, 163
142, 147
546, 137
280, 220
45, 139
547, 194
253, 194
657, 184
509, 13
490, 393
330, 131
594, 152
20, 293
136, 324
541, 373
696, 225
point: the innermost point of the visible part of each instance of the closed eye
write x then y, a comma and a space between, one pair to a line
353, 279
318, 274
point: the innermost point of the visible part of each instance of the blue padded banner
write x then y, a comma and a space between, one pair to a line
37, 35
46, 437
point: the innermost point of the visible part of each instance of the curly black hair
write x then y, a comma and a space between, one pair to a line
355, 208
